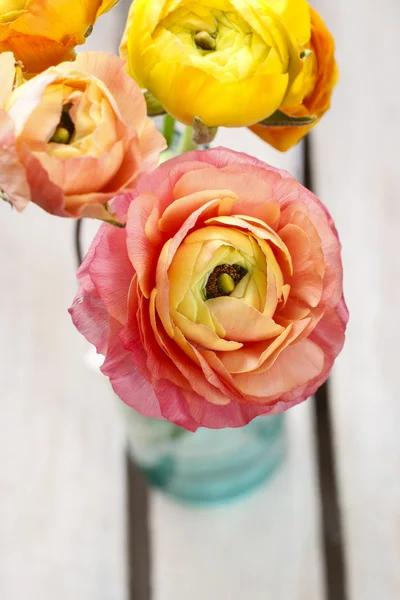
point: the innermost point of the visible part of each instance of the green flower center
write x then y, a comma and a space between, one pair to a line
219, 42
205, 41
223, 280
65, 129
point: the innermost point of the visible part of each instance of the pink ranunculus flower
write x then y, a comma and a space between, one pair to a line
222, 299
74, 136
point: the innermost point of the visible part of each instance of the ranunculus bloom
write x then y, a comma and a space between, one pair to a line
229, 62
42, 33
318, 78
222, 299
74, 136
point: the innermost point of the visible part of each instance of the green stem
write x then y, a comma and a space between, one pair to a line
169, 129
187, 141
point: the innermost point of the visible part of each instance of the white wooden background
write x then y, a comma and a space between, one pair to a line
62, 479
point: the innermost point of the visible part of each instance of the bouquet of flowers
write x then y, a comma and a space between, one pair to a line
214, 286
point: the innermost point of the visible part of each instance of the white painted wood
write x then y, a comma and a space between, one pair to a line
62, 513
62, 476
266, 546
62, 518
263, 547
358, 177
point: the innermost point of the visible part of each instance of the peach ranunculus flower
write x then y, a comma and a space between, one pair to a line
74, 137
318, 78
42, 33
222, 298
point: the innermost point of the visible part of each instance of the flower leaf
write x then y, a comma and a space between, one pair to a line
281, 119
154, 108
202, 134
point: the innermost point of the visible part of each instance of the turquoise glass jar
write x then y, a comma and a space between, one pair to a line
209, 465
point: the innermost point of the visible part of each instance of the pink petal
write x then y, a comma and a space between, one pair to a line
295, 366
128, 383
90, 317
111, 272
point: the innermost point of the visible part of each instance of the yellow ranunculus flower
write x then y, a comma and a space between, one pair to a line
42, 33
229, 62
318, 78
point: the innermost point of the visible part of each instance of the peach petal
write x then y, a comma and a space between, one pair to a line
151, 143
166, 256
188, 368
252, 355
142, 254
180, 272
13, 180
298, 245
130, 168
295, 366
254, 196
219, 368
259, 229
43, 121
226, 235
203, 335
23, 104
127, 94
307, 286
7, 76
95, 208
294, 310
161, 181
177, 212
329, 284
242, 322
84, 174
296, 331
218, 393
44, 192
325, 227
302, 221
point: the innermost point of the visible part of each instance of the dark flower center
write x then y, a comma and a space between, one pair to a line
223, 280
65, 129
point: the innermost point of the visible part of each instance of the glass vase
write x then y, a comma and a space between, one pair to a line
209, 465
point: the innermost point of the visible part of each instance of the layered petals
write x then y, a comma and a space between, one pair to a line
231, 62
317, 80
42, 33
218, 307
76, 135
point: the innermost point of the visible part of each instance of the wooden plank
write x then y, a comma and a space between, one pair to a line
266, 545
62, 525
263, 546
357, 176
62, 481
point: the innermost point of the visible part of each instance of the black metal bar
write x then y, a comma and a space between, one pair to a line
139, 550
332, 533
78, 242
138, 531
